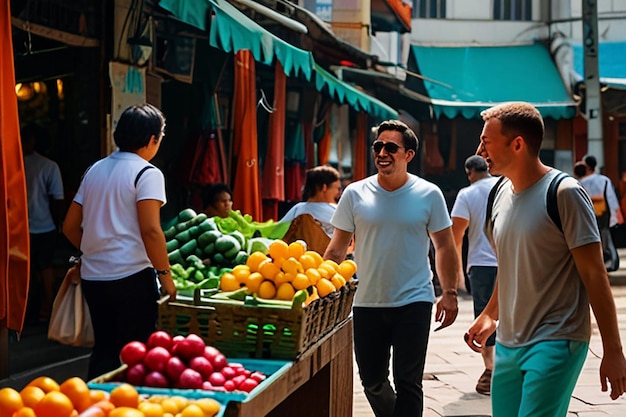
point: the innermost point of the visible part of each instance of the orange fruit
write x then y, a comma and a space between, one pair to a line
281, 278
105, 405
192, 410
324, 287
313, 275
325, 272
268, 269
338, 281
181, 402
25, 412
124, 395
296, 249
255, 259
318, 258
266, 289
78, 392
125, 412
54, 404
150, 409
278, 249
292, 266
307, 261
10, 401
241, 272
332, 264
300, 281
254, 281
31, 396
208, 405
46, 383
97, 395
347, 268
285, 292
228, 282
169, 406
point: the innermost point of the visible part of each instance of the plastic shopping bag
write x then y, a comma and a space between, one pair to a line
70, 322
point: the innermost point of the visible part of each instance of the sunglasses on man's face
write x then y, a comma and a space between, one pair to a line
390, 147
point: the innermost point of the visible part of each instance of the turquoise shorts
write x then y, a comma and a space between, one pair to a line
536, 380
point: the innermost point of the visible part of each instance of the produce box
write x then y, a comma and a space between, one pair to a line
254, 331
272, 368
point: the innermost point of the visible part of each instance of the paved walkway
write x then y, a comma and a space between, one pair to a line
452, 370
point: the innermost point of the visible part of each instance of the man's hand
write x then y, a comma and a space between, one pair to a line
613, 371
447, 309
479, 332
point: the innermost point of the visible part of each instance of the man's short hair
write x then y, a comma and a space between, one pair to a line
409, 138
591, 162
580, 169
476, 163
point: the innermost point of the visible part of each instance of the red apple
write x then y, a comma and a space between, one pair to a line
133, 353
156, 379
202, 365
160, 338
248, 385
190, 379
228, 372
217, 379
175, 366
136, 373
156, 359
219, 362
230, 386
192, 346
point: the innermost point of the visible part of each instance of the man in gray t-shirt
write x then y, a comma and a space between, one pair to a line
546, 277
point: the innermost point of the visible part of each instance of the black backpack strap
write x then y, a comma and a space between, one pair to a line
551, 200
491, 198
140, 173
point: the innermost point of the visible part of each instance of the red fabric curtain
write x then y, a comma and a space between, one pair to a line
359, 156
323, 147
309, 145
273, 181
246, 187
14, 237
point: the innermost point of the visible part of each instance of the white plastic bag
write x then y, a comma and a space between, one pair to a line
70, 322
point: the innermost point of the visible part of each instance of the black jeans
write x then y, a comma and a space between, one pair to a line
121, 311
376, 332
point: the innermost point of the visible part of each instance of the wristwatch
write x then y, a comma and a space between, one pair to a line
162, 271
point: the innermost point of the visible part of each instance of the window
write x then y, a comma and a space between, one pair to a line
512, 10
429, 9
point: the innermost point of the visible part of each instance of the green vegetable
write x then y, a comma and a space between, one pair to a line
189, 247
170, 245
199, 218
208, 237
175, 257
194, 231
186, 214
183, 237
197, 276
209, 249
249, 228
193, 260
206, 225
240, 237
241, 258
170, 233
177, 270
226, 243
218, 259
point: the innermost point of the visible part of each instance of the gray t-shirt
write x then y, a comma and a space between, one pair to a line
391, 239
540, 293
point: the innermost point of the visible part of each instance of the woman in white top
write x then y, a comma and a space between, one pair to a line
322, 189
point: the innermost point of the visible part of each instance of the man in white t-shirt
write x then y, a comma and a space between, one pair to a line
469, 211
44, 189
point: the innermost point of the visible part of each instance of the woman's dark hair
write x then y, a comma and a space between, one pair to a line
137, 125
211, 193
318, 177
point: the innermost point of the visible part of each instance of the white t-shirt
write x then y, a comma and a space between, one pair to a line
594, 184
391, 239
471, 205
111, 244
43, 181
320, 211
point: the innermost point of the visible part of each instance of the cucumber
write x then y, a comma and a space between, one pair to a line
175, 257
170, 233
183, 237
206, 225
207, 237
199, 219
209, 249
241, 258
218, 259
194, 231
226, 243
171, 245
186, 214
189, 247
231, 253
240, 237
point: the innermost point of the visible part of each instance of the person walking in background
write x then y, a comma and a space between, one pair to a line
322, 189
393, 215
218, 200
580, 170
546, 277
44, 189
607, 209
469, 211
115, 221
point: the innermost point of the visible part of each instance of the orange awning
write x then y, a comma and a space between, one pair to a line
14, 236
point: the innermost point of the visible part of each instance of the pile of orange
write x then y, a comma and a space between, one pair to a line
44, 397
287, 268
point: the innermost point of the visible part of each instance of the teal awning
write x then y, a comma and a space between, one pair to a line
611, 62
345, 93
466, 80
231, 31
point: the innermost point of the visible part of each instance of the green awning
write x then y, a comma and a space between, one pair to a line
232, 31
345, 93
466, 80
611, 60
